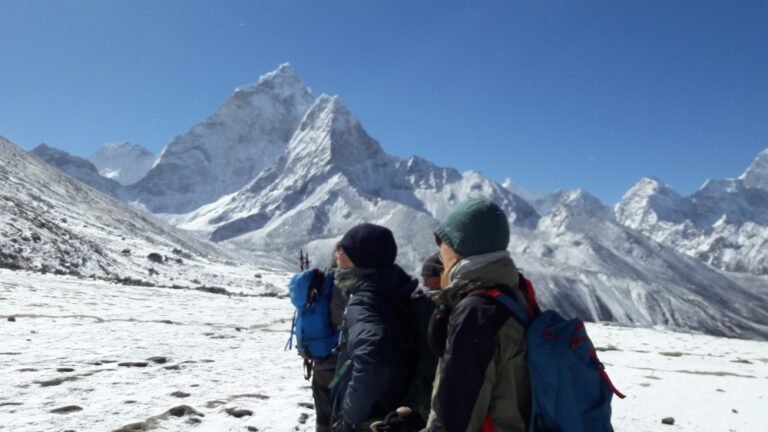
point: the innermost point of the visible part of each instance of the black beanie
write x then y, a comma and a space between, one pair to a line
370, 246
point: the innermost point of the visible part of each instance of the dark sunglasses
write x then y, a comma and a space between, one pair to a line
438, 240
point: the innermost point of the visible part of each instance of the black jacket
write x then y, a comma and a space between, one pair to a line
377, 348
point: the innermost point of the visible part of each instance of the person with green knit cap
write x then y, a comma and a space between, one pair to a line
482, 381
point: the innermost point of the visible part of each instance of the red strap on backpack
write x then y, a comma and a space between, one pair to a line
527, 287
488, 425
524, 285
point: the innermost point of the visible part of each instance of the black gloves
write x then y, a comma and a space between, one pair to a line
403, 419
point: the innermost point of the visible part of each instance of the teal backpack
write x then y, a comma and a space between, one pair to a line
310, 292
570, 389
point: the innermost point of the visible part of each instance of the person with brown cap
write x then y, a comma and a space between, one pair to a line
482, 383
376, 346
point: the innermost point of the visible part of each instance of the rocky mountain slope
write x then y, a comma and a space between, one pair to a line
52, 223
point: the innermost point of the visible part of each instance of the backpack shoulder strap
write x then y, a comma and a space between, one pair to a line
505, 299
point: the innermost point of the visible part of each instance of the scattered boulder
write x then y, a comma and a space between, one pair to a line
303, 418
125, 251
135, 427
133, 364
306, 405
173, 367
158, 359
735, 411
181, 253
183, 410
668, 420
55, 381
65, 369
252, 429
156, 257
2, 404
180, 394
237, 412
213, 290
66, 409
12, 319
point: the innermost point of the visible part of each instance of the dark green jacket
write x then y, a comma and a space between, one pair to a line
483, 372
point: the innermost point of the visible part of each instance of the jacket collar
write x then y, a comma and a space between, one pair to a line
392, 280
479, 271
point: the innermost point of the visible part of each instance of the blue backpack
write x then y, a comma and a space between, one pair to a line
571, 392
310, 292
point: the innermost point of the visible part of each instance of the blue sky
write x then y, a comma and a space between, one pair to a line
554, 94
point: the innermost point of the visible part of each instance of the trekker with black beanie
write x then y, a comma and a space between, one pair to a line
376, 347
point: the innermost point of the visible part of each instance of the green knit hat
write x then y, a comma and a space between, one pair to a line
475, 227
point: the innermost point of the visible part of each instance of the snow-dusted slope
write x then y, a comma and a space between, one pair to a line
86, 345
725, 223
50, 222
587, 265
124, 162
229, 149
76, 167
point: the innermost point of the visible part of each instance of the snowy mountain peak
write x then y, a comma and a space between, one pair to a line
220, 155
330, 133
649, 201
283, 81
650, 185
124, 162
76, 167
581, 198
530, 196
756, 176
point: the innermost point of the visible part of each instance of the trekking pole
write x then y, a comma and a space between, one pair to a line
304, 265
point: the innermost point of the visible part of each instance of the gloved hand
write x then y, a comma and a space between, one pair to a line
403, 419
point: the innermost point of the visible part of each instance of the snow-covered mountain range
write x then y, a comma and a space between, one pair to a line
124, 162
725, 223
276, 169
